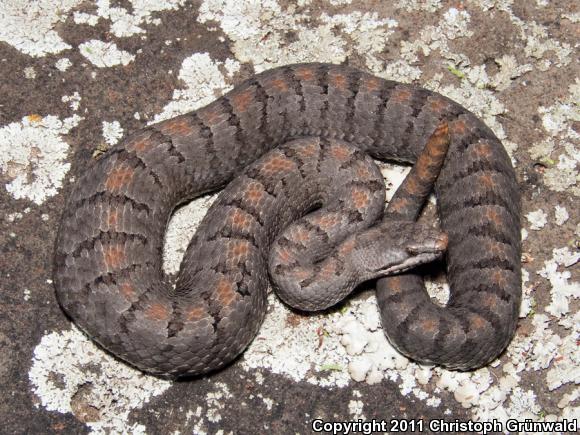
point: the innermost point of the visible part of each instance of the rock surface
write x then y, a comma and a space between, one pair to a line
77, 76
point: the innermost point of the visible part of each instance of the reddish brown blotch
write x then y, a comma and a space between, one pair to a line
328, 269
180, 126
276, 163
429, 324
347, 246
482, 150
307, 150
394, 283
486, 179
338, 80
493, 216
437, 105
279, 84
423, 167
119, 177
299, 235
113, 256
112, 218
498, 277
489, 300
399, 204
301, 273
157, 311
238, 250
140, 144
283, 255
127, 290
411, 186
304, 73
239, 220
225, 291
241, 100
254, 193
401, 95
360, 198
363, 172
340, 152
197, 312
459, 127
477, 322
370, 84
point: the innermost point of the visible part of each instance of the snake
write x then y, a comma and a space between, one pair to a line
302, 210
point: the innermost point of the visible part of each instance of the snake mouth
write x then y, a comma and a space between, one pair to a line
410, 263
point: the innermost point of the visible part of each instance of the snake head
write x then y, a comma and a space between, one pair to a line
397, 246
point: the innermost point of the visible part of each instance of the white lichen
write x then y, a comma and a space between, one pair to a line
215, 401
537, 219
509, 69
562, 290
63, 381
33, 156
29, 73
561, 215
435, 38
112, 132
104, 54
28, 25
369, 33
127, 22
74, 101
203, 80
266, 35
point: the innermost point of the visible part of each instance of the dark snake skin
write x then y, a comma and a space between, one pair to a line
108, 273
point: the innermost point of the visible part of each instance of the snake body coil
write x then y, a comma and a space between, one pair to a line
108, 252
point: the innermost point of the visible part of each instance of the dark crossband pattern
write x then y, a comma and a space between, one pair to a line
286, 193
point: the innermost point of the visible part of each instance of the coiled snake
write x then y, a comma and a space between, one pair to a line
298, 138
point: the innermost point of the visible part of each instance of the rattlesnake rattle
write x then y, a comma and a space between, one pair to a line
108, 274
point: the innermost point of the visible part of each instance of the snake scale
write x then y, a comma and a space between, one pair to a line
297, 141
